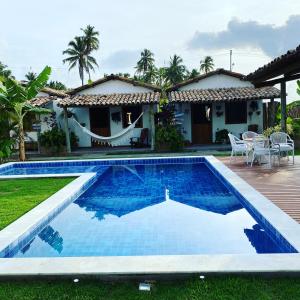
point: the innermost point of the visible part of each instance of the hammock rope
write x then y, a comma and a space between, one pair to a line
113, 140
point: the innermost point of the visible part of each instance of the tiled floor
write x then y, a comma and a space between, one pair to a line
279, 184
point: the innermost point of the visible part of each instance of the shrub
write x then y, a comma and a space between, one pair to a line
54, 140
267, 132
168, 138
222, 136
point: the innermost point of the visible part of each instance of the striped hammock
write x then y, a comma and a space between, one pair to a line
113, 140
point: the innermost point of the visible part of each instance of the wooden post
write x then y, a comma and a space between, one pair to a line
152, 127
283, 105
271, 113
68, 143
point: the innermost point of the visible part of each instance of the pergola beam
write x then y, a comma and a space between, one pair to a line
279, 80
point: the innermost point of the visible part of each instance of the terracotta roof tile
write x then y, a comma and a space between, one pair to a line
42, 101
110, 99
224, 94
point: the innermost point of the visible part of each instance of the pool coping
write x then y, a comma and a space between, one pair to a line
166, 264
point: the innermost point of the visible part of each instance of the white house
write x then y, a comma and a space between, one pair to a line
219, 100
105, 107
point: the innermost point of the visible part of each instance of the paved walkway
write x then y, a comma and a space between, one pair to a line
279, 184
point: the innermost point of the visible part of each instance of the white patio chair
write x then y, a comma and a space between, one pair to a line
249, 135
238, 147
284, 143
261, 148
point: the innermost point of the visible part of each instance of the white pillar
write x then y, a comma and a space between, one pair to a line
67, 130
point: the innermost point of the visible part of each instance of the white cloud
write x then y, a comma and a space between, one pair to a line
272, 40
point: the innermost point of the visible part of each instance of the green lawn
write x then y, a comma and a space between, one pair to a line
18, 196
216, 288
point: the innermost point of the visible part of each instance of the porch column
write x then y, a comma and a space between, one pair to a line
271, 113
152, 127
283, 105
67, 130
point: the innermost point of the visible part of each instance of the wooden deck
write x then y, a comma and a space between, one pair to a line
279, 184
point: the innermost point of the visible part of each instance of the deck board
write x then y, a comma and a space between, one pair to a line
280, 184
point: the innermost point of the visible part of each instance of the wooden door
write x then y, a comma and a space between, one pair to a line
201, 124
99, 122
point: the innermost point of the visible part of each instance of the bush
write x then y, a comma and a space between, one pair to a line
54, 140
267, 132
168, 138
222, 136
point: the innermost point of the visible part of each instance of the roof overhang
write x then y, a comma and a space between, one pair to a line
224, 94
110, 99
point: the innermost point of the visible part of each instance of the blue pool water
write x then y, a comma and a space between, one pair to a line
155, 209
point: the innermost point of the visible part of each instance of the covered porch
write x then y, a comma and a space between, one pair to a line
281, 70
109, 116
208, 112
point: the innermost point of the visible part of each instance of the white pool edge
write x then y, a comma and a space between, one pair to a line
167, 264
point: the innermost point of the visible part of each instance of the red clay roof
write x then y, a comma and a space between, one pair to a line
110, 99
224, 94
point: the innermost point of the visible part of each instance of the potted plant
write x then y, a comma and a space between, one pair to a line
222, 136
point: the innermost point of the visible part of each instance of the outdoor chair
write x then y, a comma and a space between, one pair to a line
238, 147
142, 140
283, 143
249, 135
261, 148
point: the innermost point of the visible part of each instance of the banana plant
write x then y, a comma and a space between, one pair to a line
15, 99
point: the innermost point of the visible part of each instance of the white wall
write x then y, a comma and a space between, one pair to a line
217, 81
218, 123
114, 86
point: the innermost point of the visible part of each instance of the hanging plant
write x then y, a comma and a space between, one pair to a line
219, 113
116, 117
250, 113
254, 105
258, 112
218, 107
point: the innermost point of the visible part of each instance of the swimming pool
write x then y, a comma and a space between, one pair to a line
147, 207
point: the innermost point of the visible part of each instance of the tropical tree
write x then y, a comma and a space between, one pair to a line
207, 64
145, 63
57, 85
176, 70
4, 71
76, 56
30, 76
91, 41
160, 79
194, 73
14, 98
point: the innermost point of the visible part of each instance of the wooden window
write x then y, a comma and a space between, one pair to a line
236, 112
131, 113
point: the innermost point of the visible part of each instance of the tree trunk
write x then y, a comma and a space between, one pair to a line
21, 142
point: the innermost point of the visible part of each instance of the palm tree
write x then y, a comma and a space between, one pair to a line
77, 56
57, 85
207, 64
4, 71
30, 76
161, 77
193, 74
92, 43
176, 70
146, 62
14, 98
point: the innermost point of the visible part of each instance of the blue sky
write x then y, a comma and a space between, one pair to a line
35, 33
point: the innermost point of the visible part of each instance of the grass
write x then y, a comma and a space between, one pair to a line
18, 196
214, 288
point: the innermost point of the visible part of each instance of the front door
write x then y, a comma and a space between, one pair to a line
99, 122
201, 124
